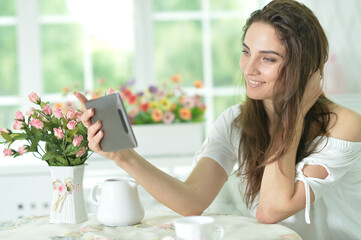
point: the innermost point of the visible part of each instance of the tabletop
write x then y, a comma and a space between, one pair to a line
156, 225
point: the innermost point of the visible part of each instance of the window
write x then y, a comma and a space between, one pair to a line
47, 45
84, 41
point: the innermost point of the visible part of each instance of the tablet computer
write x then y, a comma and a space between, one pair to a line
118, 133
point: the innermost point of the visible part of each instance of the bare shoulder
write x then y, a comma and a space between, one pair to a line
345, 124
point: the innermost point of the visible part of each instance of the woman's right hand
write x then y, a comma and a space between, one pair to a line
95, 134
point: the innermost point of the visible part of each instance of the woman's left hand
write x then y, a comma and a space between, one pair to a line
312, 92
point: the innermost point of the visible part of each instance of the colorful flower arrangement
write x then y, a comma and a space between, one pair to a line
62, 131
166, 104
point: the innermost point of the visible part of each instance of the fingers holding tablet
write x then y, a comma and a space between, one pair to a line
95, 135
115, 132
86, 117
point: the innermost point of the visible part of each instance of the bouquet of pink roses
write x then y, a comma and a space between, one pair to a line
64, 135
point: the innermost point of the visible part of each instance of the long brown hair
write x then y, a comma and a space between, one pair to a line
306, 51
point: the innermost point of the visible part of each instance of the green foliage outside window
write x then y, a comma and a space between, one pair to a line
53, 7
111, 63
62, 56
8, 66
178, 50
176, 5
228, 5
226, 37
7, 8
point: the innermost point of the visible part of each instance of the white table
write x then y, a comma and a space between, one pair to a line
155, 225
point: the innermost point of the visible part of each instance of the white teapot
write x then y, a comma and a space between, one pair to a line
119, 203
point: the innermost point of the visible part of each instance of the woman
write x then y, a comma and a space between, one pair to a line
294, 146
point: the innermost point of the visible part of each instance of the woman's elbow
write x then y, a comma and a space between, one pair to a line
267, 215
192, 211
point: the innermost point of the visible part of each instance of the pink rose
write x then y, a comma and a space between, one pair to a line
37, 123
80, 152
47, 110
71, 114
18, 125
110, 91
8, 152
3, 130
71, 125
23, 149
34, 97
58, 132
30, 112
78, 116
58, 113
77, 140
19, 116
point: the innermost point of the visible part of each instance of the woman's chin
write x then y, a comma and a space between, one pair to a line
254, 96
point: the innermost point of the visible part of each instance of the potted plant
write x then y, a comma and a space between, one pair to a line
58, 137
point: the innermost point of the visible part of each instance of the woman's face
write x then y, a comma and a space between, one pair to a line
261, 60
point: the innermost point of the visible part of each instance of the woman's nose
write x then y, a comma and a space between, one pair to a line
250, 67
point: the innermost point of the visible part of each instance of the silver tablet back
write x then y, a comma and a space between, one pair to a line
118, 132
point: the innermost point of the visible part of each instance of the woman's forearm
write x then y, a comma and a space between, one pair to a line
166, 189
278, 184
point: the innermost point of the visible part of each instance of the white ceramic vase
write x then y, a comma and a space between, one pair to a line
68, 205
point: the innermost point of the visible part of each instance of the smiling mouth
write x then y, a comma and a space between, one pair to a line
255, 83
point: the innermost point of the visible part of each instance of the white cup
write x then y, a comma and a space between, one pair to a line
197, 228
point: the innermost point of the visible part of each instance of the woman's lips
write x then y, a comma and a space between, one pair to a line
254, 83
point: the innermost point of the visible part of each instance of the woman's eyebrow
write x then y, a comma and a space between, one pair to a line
264, 51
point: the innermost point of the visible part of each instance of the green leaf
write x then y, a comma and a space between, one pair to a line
28, 132
82, 129
76, 161
49, 156
71, 150
16, 155
42, 104
55, 122
51, 162
20, 136
48, 125
47, 138
62, 161
6, 136
34, 143
35, 131
73, 132
50, 147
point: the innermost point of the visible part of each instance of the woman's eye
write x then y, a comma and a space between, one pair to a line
245, 52
269, 59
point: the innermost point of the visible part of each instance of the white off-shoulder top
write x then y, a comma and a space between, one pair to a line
336, 211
